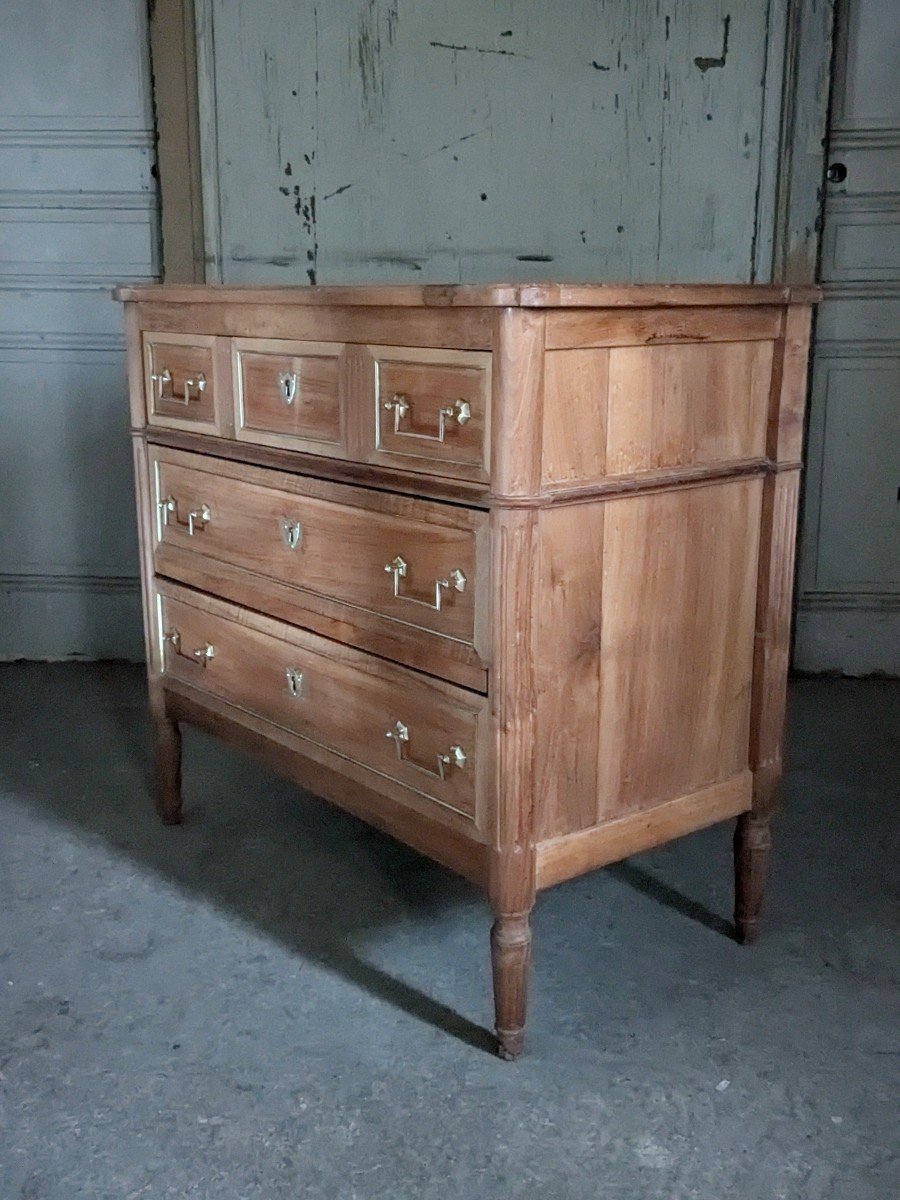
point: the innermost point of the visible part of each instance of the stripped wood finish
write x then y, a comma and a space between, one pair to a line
515, 587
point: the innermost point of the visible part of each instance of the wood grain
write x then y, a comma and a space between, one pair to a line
517, 402
576, 398
504, 295
511, 878
652, 326
312, 418
325, 775
429, 381
679, 591
378, 478
568, 657
346, 702
788, 408
342, 549
685, 405
622, 505
185, 357
587, 849
451, 329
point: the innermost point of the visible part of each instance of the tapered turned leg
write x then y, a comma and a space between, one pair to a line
510, 958
752, 849
167, 761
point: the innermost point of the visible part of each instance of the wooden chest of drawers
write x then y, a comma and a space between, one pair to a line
506, 571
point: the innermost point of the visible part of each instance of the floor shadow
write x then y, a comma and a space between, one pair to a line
648, 885
74, 742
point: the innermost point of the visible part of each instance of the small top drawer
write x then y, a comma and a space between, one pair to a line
179, 381
432, 410
288, 393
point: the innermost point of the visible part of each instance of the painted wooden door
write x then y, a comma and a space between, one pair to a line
849, 608
77, 214
364, 140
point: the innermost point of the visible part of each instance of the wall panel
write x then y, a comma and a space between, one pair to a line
77, 214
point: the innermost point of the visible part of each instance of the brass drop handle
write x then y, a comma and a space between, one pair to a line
197, 518
400, 405
455, 756
398, 568
161, 378
202, 656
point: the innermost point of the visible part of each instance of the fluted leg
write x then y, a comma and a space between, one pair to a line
167, 761
752, 849
510, 958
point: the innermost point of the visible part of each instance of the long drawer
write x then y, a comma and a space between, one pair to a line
411, 565
424, 735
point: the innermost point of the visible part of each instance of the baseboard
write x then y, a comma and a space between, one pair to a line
56, 617
848, 634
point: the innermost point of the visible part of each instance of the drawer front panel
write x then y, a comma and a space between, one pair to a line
431, 410
288, 393
383, 718
419, 572
179, 381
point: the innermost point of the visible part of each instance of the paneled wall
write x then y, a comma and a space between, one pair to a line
77, 213
849, 609
518, 139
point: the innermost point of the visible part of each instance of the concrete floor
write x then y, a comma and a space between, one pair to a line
275, 1001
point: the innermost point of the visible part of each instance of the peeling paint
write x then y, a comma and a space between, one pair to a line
374, 30
273, 260
397, 260
345, 187
708, 64
451, 156
478, 49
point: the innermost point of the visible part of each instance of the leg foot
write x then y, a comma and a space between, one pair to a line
167, 761
510, 957
752, 848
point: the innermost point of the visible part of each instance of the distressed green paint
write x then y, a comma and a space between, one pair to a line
372, 140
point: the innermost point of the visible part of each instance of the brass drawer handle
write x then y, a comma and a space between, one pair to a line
398, 569
294, 680
161, 378
201, 656
455, 756
197, 518
292, 532
460, 412
287, 385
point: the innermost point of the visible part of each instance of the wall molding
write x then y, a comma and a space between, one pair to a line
60, 617
858, 348
102, 201
28, 343
795, 192
886, 138
83, 139
845, 601
862, 289
71, 122
94, 585
209, 139
70, 283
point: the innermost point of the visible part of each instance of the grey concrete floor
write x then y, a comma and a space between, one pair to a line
275, 1001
